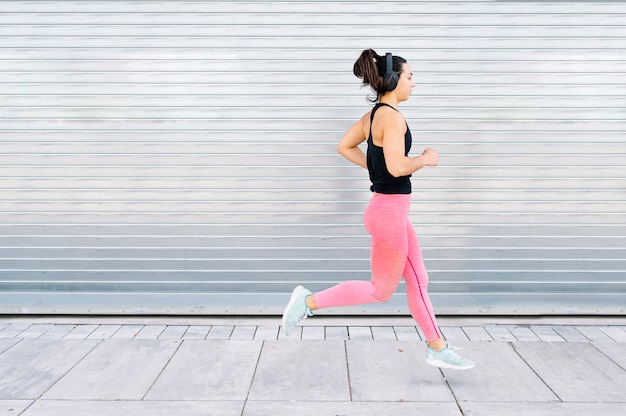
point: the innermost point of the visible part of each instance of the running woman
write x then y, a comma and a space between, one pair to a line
395, 249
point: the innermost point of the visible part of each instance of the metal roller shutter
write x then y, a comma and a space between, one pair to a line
179, 157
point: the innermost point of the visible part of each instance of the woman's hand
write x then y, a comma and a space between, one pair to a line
349, 145
430, 157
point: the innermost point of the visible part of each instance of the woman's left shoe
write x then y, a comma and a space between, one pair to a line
296, 309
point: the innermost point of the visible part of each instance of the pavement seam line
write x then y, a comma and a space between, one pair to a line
603, 328
256, 367
17, 341
512, 344
609, 358
345, 351
180, 344
456, 400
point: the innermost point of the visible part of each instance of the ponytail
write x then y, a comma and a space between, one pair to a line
371, 67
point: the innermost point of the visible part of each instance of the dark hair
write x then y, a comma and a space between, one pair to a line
371, 68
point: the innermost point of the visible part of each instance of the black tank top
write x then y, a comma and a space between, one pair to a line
384, 182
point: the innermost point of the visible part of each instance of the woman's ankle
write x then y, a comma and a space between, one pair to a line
310, 303
437, 344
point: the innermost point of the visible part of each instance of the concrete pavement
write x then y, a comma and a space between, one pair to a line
53, 366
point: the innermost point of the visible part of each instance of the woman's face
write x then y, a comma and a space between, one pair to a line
405, 83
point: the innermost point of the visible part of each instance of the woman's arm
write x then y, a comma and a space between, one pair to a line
349, 145
393, 148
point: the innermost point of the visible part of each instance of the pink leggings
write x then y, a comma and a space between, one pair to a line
395, 253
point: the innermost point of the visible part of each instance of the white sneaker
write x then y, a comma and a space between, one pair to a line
296, 309
447, 358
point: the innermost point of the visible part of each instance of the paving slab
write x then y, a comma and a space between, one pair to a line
280, 408
6, 343
570, 334
500, 375
500, 333
407, 333
32, 366
594, 334
523, 333
477, 333
616, 352
546, 334
127, 332
35, 331
313, 333
266, 332
150, 332
363, 333
576, 372
58, 332
104, 332
383, 333
301, 370
220, 332
115, 370
389, 371
13, 407
81, 331
243, 332
453, 334
543, 409
13, 330
197, 332
174, 332
615, 332
134, 408
295, 334
208, 370
338, 333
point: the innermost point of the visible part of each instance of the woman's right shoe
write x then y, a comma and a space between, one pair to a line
447, 358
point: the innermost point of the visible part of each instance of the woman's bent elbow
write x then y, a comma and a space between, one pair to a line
396, 173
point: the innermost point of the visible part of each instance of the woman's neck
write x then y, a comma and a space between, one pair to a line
390, 99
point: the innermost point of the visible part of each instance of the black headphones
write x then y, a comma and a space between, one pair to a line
390, 80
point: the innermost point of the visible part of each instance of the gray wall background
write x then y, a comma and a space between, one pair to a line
179, 157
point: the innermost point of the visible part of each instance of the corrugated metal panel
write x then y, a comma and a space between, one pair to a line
179, 157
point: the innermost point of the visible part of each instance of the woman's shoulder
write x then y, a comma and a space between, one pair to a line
384, 114
389, 115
